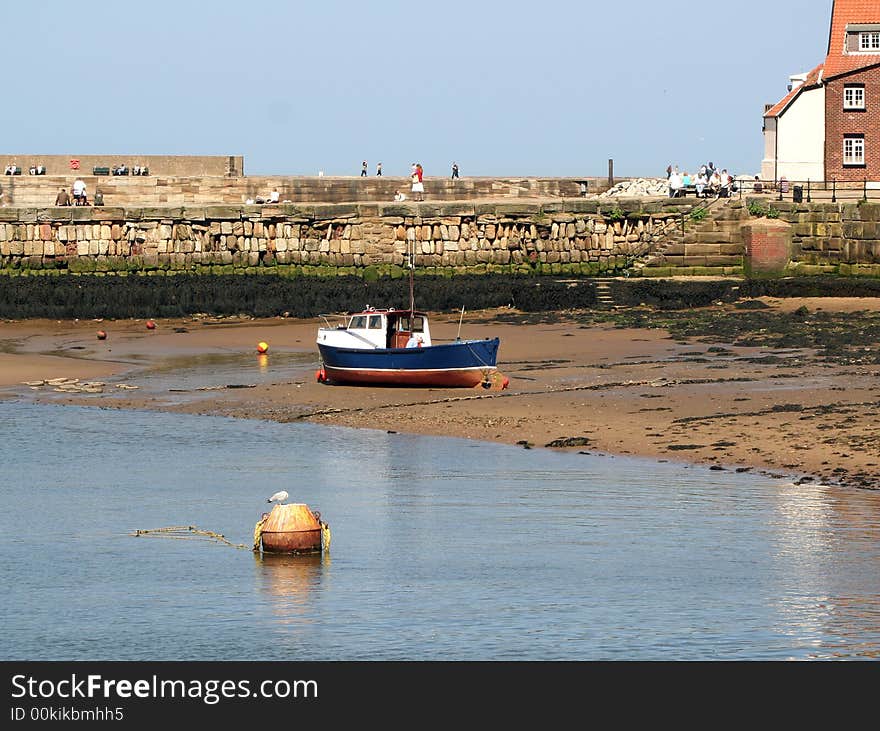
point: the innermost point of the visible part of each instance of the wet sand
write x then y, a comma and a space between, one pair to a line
598, 388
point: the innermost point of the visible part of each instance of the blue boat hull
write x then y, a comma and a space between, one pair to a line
464, 363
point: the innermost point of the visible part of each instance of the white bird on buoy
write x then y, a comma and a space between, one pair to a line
278, 497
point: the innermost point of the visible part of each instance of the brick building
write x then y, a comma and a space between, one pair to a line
828, 125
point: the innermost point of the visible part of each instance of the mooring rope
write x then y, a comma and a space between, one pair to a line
187, 532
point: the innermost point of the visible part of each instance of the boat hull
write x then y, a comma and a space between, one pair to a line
462, 364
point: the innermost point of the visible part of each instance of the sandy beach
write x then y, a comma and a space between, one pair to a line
617, 384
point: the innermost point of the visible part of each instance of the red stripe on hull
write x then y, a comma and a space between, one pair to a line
452, 379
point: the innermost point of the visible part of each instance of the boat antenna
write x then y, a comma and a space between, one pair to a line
458, 337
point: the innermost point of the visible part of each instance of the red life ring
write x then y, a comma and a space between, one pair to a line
74, 164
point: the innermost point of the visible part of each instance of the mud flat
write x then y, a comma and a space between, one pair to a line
788, 387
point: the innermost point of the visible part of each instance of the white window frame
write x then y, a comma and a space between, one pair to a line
853, 97
853, 150
869, 41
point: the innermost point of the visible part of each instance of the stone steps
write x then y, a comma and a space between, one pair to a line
604, 298
713, 242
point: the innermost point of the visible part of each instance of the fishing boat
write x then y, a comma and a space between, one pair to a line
393, 347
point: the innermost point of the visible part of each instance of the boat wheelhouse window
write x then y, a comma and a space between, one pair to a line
358, 322
417, 324
375, 322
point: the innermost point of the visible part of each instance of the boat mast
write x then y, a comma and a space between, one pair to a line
412, 266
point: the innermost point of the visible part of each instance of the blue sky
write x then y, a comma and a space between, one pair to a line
504, 88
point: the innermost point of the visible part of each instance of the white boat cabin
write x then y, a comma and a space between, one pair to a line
375, 329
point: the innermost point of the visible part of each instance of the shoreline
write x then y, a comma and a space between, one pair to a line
601, 387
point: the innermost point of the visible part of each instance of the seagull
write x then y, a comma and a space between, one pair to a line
278, 497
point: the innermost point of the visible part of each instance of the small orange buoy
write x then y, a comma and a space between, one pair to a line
262, 347
151, 325
102, 335
320, 375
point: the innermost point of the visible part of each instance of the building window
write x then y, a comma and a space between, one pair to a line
853, 97
854, 150
869, 41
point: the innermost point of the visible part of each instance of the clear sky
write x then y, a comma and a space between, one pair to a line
504, 88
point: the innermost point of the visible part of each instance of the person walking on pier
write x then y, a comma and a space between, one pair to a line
379, 170
364, 169
418, 188
454, 170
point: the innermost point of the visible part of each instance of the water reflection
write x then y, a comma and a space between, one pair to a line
815, 527
288, 582
207, 370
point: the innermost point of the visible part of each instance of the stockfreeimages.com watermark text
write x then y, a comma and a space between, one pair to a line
94, 686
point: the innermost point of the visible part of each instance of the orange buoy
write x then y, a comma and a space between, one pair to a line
262, 347
102, 335
320, 375
151, 325
292, 528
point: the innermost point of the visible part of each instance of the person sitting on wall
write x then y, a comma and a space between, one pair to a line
675, 184
62, 199
715, 184
274, 197
700, 184
398, 196
726, 184
79, 193
99, 198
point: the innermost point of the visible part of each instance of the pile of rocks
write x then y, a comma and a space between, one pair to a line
638, 188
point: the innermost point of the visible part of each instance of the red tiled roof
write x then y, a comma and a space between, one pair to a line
843, 13
812, 82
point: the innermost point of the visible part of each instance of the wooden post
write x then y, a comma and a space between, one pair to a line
611, 172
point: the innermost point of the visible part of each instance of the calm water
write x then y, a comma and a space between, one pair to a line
442, 549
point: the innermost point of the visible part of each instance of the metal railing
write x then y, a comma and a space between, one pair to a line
810, 191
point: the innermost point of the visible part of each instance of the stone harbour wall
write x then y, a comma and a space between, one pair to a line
570, 236
552, 236
75, 164
37, 191
829, 238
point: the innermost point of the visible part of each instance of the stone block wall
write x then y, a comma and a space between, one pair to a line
577, 237
830, 238
167, 165
159, 190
